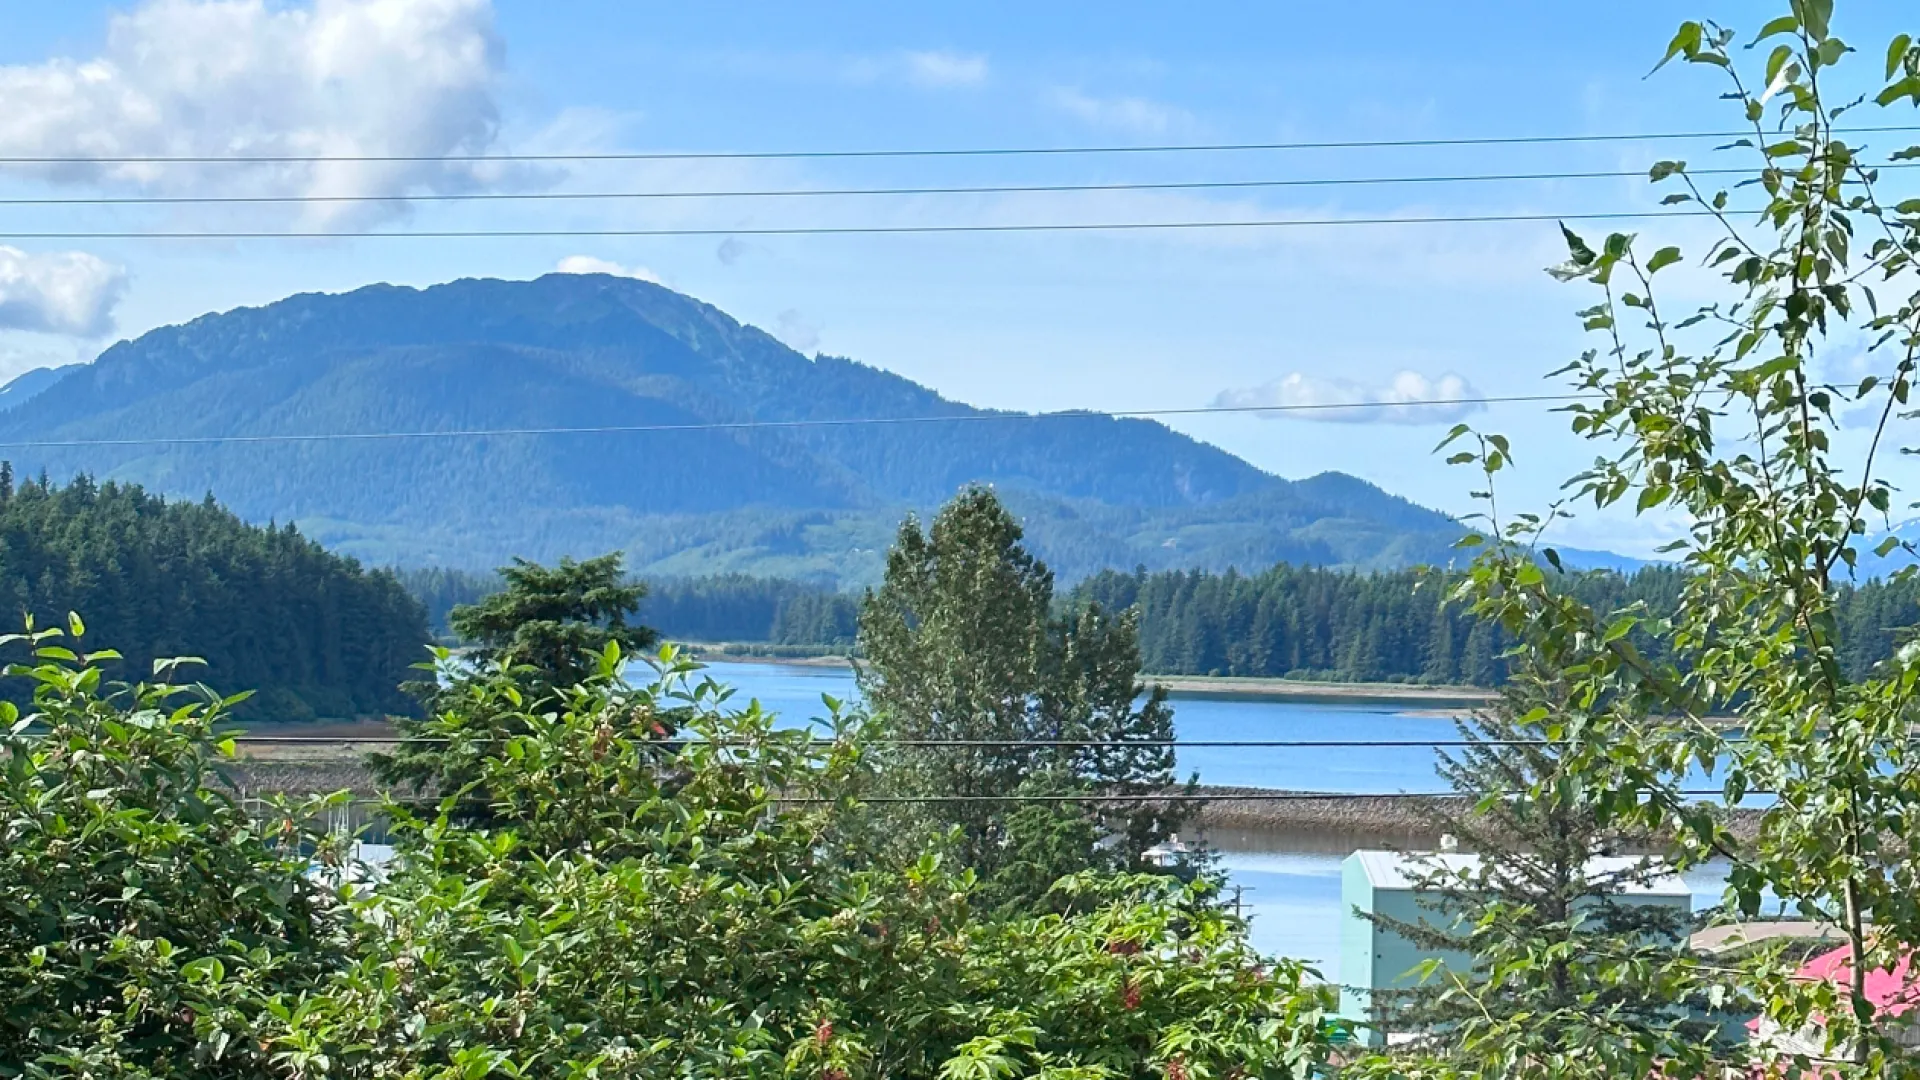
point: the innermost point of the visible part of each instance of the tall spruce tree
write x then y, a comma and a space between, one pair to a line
550, 622
1538, 907
962, 646
548, 629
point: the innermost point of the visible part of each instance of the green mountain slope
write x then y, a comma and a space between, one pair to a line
590, 350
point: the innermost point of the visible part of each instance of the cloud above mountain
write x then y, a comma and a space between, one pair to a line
237, 78
591, 264
1407, 398
64, 292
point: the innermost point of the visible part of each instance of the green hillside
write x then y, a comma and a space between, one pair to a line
812, 502
267, 609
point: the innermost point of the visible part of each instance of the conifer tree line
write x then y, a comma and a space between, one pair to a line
312, 633
1310, 622
1307, 622
1285, 622
717, 607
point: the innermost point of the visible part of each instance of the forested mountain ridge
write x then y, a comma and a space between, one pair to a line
570, 351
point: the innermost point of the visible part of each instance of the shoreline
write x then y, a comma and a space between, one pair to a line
1445, 701
1299, 821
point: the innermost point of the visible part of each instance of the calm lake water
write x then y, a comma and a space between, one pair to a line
1290, 881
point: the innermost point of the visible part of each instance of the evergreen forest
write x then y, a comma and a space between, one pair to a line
1299, 622
1312, 623
268, 610
718, 607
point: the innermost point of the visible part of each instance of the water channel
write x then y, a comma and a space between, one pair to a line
1289, 880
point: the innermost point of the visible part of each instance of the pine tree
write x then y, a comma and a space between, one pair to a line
1535, 887
548, 628
962, 645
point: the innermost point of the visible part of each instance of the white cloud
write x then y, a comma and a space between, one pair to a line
589, 264
1134, 114
942, 69
65, 292
409, 78
1314, 397
929, 69
796, 330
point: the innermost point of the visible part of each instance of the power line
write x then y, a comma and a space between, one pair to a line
985, 189
1067, 744
1120, 797
1002, 151
1205, 796
749, 425
1255, 796
842, 230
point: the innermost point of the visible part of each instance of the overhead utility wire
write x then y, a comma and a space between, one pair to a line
748, 425
773, 193
1069, 744
843, 230
1001, 151
1118, 797
1206, 796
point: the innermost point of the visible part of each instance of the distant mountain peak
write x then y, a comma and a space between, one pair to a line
596, 350
27, 385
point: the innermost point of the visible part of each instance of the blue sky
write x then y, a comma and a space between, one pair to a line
1049, 321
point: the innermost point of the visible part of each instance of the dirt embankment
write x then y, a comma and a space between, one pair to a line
1405, 816
297, 771
1266, 809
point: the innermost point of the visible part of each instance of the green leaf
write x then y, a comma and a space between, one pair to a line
74, 625
1577, 250
1897, 53
1666, 256
208, 968
1907, 87
1686, 42
1776, 63
1814, 17
1785, 24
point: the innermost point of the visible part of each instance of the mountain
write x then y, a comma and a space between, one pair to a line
390, 365
26, 386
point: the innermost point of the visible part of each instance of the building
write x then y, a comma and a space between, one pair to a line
1374, 958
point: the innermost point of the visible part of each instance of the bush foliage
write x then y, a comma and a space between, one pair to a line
633, 905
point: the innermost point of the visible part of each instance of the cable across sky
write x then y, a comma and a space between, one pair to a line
845, 230
750, 425
782, 193
933, 152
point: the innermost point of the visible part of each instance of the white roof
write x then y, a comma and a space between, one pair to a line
1395, 871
